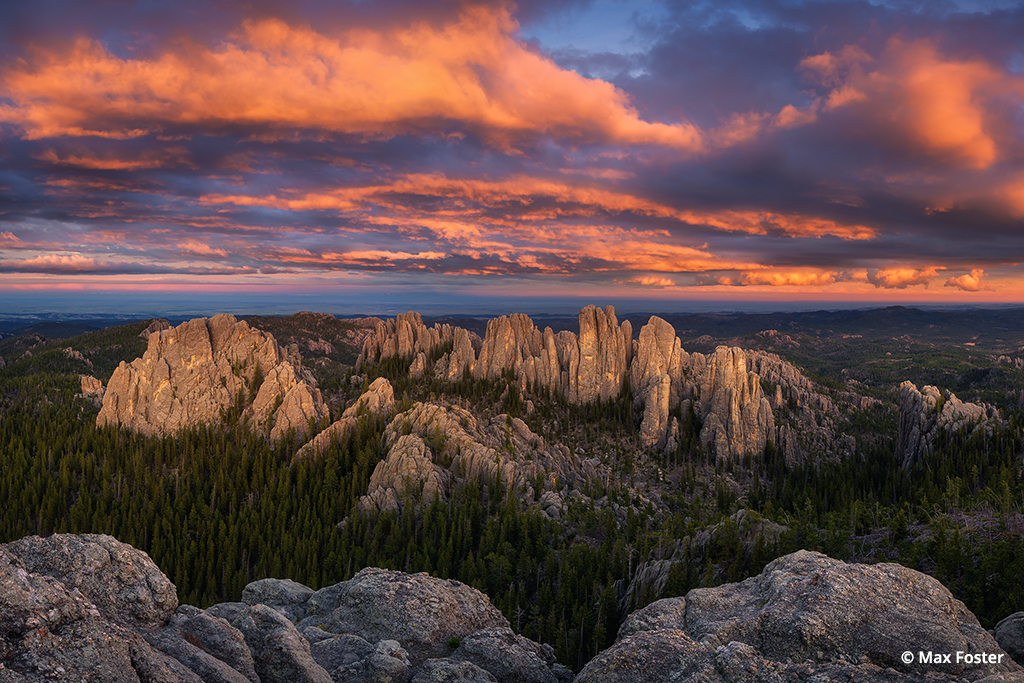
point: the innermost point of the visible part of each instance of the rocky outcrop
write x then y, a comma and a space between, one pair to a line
736, 417
726, 393
122, 582
202, 370
156, 326
418, 611
585, 368
510, 658
378, 400
404, 335
433, 446
805, 615
926, 413
92, 389
89, 608
71, 608
1009, 633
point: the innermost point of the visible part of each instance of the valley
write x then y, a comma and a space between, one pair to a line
573, 470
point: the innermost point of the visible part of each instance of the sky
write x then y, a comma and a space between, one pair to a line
444, 152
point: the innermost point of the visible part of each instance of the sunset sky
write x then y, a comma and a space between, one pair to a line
716, 151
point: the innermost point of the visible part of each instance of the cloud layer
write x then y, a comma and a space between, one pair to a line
839, 149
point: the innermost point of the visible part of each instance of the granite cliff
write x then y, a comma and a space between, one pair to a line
725, 388
197, 372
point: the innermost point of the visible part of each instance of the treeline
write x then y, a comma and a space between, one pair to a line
218, 507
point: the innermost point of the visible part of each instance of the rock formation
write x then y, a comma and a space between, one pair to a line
72, 608
805, 617
584, 369
736, 417
433, 446
926, 413
156, 326
404, 336
92, 389
199, 371
91, 608
378, 399
88, 607
724, 388
1009, 633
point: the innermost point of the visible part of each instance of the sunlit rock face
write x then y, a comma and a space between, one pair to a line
201, 371
433, 447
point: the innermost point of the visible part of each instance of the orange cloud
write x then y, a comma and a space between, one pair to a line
916, 98
524, 193
901, 278
471, 73
968, 283
782, 279
651, 281
158, 158
65, 263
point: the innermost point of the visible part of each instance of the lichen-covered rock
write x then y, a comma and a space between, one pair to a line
50, 631
449, 671
1009, 633
849, 620
280, 653
510, 658
205, 368
216, 637
173, 641
926, 413
337, 651
388, 662
286, 596
420, 612
124, 584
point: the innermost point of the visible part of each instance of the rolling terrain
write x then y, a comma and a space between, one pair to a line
573, 475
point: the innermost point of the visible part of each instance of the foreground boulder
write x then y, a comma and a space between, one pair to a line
204, 370
804, 615
420, 612
71, 608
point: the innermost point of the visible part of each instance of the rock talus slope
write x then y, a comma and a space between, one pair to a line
196, 372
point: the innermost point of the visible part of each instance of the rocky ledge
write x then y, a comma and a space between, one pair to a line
807, 617
198, 372
89, 608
